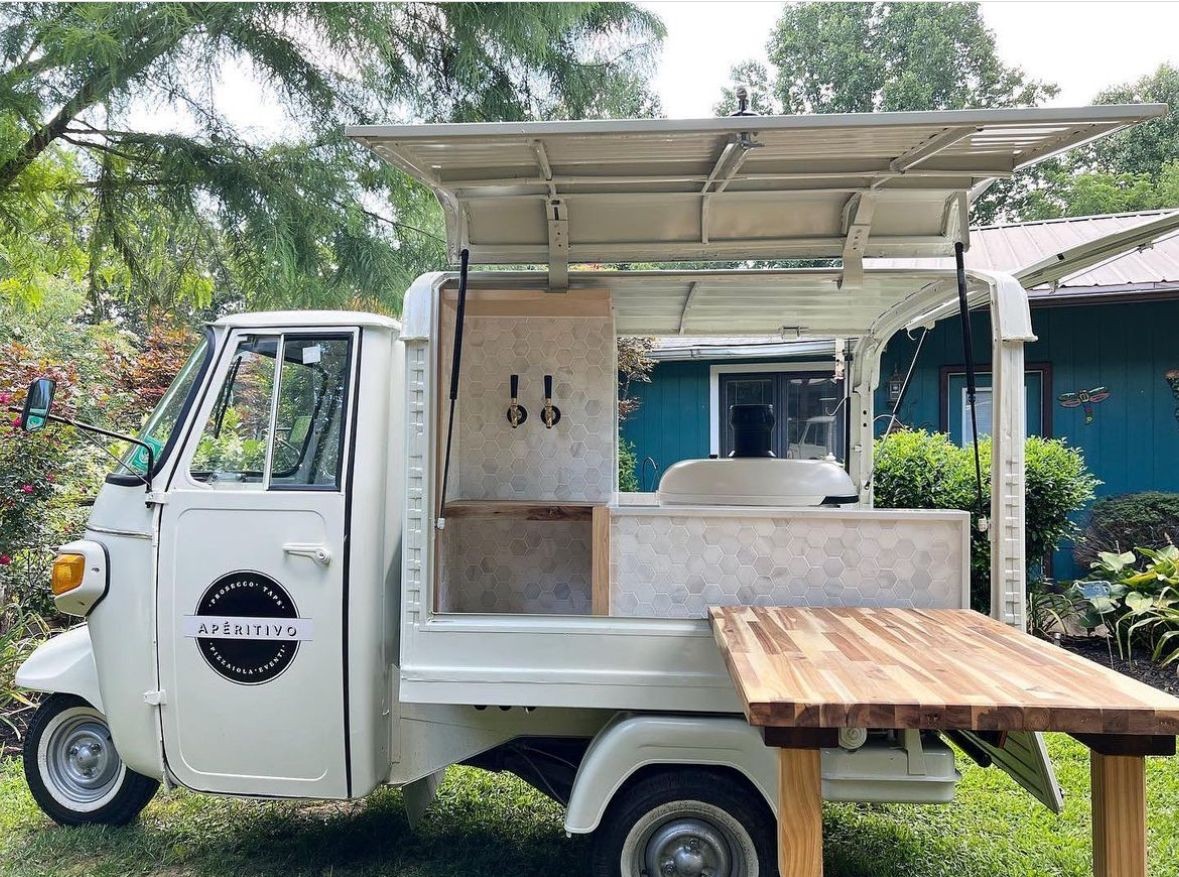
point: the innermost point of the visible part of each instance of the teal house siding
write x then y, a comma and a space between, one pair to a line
671, 423
672, 420
1131, 445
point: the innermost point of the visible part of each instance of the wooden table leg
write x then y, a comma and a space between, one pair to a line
800, 813
1118, 794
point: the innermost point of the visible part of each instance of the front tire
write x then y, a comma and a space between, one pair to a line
688, 822
74, 770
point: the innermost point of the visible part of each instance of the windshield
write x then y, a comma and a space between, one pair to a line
157, 430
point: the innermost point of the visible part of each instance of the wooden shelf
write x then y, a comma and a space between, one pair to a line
525, 511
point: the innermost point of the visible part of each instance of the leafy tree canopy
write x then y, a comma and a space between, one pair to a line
886, 57
879, 57
203, 215
1135, 169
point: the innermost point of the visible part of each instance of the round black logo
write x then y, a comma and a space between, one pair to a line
247, 628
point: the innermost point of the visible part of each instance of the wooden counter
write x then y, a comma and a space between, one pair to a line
527, 511
804, 673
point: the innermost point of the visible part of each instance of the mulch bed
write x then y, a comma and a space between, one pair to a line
10, 741
1097, 649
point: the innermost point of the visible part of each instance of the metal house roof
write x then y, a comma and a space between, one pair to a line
1111, 254
822, 186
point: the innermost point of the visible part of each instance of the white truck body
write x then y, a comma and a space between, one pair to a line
388, 653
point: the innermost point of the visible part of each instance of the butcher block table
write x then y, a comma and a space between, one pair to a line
804, 673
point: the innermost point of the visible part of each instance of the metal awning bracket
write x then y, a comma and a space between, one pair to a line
857, 226
725, 167
693, 288
546, 167
558, 245
930, 147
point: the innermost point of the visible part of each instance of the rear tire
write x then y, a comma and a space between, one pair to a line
687, 822
74, 770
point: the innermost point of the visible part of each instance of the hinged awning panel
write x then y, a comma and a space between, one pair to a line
725, 188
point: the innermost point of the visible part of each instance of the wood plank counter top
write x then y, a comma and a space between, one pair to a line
935, 669
524, 510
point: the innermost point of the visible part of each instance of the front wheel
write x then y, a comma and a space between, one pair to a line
74, 771
690, 822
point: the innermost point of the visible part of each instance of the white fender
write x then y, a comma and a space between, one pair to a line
64, 665
629, 742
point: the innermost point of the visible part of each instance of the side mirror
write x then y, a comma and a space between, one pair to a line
38, 402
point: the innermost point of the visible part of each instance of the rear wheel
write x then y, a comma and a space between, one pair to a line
686, 823
74, 770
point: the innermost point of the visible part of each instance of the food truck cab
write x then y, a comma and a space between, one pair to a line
348, 551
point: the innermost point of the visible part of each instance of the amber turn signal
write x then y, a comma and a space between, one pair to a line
68, 570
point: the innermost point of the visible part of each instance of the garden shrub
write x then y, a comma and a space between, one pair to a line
39, 474
20, 632
924, 470
628, 478
1134, 595
49, 478
1131, 520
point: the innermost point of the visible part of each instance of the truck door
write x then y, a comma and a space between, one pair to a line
251, 592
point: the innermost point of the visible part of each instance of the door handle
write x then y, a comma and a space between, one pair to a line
319, 553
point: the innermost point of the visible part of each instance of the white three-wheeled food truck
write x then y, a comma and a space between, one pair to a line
347, 551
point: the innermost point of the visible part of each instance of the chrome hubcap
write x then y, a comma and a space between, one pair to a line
81, 760
688, 848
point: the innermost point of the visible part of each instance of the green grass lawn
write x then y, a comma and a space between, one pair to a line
485, 824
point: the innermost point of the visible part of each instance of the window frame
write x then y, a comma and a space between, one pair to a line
775, 371
345, 411
1044, 369
215, 387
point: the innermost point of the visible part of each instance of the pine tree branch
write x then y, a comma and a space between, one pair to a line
28, 67
97, 88
390, 222
134, 183
101, 147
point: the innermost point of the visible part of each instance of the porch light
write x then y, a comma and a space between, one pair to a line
896, 385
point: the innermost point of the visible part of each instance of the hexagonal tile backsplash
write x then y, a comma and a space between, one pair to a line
676, 566
494, 565
573, 461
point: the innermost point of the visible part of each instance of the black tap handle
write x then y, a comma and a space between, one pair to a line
515, 382
548, 386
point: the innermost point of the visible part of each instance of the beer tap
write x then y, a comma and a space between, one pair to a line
552, 414
517, 413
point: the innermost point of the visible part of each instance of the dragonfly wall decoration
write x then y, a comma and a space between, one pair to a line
1171, 376
1086, 399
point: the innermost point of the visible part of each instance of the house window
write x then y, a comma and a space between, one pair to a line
982, 409
955, 408
807, 406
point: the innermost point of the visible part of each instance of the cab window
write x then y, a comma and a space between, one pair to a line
309, 423
232, 447
278, 419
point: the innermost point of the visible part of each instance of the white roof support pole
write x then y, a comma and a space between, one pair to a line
857, 226
863, 379
1011, 328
